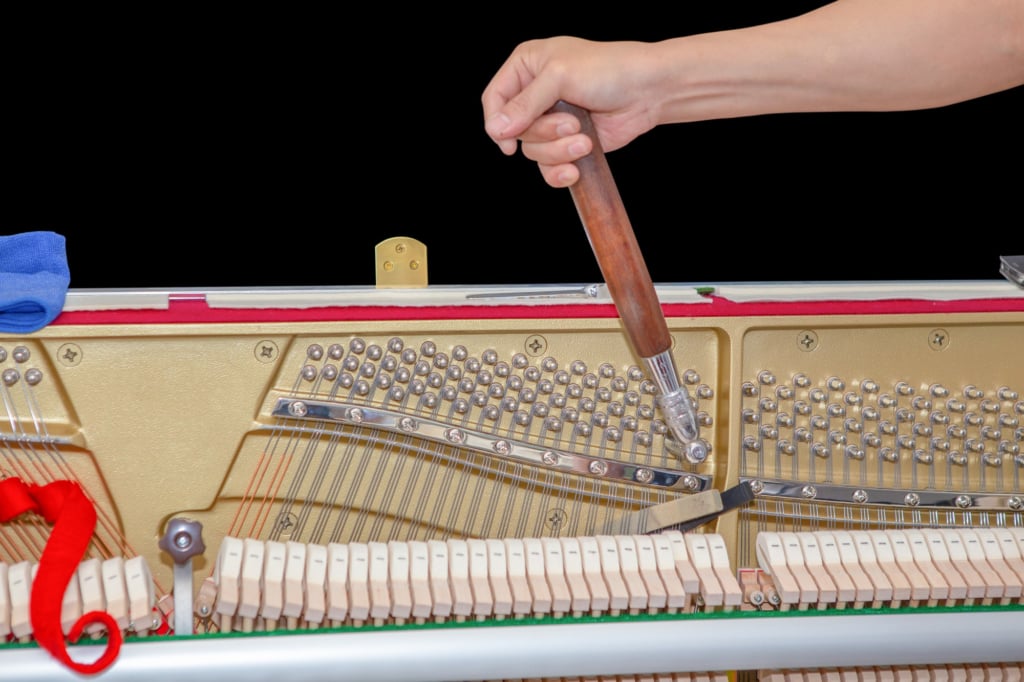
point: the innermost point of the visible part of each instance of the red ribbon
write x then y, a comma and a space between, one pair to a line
63, 504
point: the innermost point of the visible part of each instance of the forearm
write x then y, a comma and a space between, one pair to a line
851, 55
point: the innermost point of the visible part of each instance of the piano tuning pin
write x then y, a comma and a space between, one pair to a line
921, 403
854, 453
1007, 394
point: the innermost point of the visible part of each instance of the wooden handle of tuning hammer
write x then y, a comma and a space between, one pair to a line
618, 254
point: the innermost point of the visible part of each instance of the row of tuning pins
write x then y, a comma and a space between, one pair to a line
932, 425
457, 384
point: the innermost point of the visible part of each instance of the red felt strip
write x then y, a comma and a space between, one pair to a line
63, 504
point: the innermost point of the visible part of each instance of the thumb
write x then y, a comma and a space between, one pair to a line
519, 112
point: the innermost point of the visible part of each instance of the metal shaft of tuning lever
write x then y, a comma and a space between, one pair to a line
622, 265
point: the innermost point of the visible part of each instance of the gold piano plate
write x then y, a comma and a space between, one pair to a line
392, 416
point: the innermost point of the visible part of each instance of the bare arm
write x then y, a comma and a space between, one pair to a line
850, 55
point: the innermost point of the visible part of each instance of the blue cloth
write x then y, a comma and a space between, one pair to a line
34, 279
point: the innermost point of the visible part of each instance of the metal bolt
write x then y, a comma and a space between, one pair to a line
183, 540
298, 409
696, 452
938, 339
69, 354
912, 499
807, 340
536, 345
266, 351
860, 496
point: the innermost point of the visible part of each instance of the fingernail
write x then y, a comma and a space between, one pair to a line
497, 124
565, 130
564, 178
577, 149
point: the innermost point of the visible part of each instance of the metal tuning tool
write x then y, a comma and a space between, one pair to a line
622, 265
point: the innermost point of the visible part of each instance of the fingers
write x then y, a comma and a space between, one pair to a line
521, 91
562, 175
555, 142
516, 106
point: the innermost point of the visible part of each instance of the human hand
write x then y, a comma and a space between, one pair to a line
611, 80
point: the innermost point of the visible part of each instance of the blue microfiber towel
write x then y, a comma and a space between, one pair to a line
34, 279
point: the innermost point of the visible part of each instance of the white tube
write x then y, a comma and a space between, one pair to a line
569, 649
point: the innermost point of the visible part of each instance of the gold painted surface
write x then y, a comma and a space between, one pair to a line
165, 421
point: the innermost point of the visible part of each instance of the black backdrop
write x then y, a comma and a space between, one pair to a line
221, 149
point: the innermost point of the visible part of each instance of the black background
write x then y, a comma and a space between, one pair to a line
273, 148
